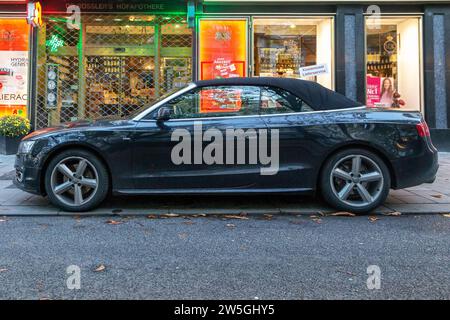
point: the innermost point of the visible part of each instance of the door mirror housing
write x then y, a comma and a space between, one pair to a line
163, 114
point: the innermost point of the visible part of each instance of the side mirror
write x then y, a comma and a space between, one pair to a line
163, 114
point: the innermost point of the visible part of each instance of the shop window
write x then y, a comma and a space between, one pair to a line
393, 63
294, 48
13, 66
116, 64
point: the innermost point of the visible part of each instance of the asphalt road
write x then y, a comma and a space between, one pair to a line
288, 257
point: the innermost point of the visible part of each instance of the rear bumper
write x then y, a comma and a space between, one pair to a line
28, 174
415, 170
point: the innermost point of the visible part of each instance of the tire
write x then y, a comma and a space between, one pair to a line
76, 180
347, 188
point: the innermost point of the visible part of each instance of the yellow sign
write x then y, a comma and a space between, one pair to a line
34, 17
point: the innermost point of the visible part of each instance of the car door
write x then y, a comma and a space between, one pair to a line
163, 158
293, 120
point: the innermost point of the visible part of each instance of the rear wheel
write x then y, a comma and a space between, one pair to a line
76, 180
355, 180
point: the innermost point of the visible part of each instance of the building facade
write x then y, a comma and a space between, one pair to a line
96, 59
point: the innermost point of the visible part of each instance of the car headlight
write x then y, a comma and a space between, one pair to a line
26, 146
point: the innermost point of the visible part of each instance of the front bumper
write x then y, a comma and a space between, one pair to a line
415, 170
28, 174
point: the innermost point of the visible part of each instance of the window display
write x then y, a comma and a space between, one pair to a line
13, 66
393, 77
295, 47
115, 65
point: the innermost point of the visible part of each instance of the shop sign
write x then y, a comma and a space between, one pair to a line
116, 6
314, 70
54, 43
34, 14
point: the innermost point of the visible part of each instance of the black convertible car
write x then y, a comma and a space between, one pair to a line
241, 135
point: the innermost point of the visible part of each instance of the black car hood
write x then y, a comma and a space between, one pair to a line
77, 125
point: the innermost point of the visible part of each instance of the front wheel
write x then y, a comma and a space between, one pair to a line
355, 180
76, 180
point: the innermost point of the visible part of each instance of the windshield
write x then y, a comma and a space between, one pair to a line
162, 97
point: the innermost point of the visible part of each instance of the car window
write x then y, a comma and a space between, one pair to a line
275, 100
216, 101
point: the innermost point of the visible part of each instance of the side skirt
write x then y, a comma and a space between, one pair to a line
211, 191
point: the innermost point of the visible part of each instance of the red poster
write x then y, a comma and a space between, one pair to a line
222, 48
213, 101
13, 66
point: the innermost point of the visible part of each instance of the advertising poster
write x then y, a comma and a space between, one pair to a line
375, 95
222, 48
13, 66
373, 88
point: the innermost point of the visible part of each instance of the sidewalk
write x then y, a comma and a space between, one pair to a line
426, 198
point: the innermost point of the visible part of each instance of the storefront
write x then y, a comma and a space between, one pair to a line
111, 60
386, 54
122, 55
14, 50
284, 44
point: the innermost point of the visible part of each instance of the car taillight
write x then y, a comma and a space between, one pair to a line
422, 129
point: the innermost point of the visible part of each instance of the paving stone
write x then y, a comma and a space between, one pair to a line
415, 199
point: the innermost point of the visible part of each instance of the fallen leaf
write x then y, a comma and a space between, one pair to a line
342, 214
437, 196
170, 215
100, 268
198, 215
395, 213
373, 218
114, 222
183, 235
317, 220
189, 222
152, 216
268, 216
3, 270
320, 213
230, 225
231, 216
446, 215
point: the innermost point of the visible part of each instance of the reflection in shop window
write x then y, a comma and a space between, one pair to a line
286, 47
393, 63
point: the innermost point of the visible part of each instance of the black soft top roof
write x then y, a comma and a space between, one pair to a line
315, 95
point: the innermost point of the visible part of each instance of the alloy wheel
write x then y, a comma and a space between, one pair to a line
74, 181
356, 180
